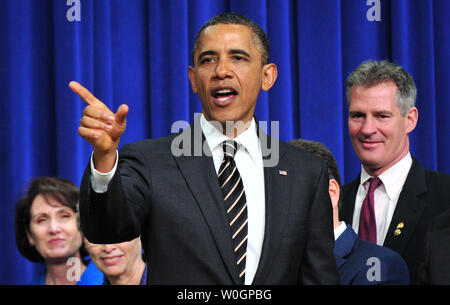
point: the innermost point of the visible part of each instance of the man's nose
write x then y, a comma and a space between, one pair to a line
223, 69
369, 126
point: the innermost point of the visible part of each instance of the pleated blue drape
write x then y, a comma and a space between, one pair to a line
137, 52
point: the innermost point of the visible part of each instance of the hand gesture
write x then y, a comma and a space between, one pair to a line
100, 126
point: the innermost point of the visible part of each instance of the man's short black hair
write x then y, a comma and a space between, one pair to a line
321, 151
233, 18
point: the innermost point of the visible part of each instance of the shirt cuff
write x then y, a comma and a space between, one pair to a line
100, 181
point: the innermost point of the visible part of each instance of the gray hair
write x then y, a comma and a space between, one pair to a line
371, 73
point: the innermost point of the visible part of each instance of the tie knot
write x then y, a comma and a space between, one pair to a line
229, 148
374, 183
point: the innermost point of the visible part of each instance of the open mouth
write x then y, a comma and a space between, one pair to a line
224, 96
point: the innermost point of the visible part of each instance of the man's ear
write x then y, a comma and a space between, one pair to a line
191, 74
333, 189
412, 117
270, 74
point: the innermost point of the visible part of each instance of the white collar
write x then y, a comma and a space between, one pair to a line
393, 178
247, 139
339, 230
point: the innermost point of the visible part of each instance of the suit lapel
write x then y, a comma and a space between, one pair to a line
348, 203
276, 198
408, 210
201, 178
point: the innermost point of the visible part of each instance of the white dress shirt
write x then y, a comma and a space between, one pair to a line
249, 162
339, 230
385, 196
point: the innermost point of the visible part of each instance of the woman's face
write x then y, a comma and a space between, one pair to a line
53, 229
116, 260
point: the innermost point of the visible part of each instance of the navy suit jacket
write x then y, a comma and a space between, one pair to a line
425, 195
176, 204
354, 258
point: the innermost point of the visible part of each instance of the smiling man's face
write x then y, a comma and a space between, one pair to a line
379, 133
228, 73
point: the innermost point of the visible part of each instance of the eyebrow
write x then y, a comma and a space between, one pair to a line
206, 53
377, 112
232, 51
239, 51
59, 211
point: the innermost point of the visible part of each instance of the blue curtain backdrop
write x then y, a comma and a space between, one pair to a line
137, 52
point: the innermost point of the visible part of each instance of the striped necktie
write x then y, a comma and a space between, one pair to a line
235, 204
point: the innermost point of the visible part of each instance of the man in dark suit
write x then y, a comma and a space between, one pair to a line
395, 195
360, 262
436, 269
168, 190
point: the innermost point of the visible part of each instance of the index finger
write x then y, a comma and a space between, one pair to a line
84, 93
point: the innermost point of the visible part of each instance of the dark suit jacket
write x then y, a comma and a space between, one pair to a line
425, 195
176, 204
354, 260
436, 269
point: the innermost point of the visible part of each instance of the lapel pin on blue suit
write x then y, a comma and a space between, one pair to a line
282, 172
397, 231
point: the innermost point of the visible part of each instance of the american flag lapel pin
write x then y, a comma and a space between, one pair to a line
282, 172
